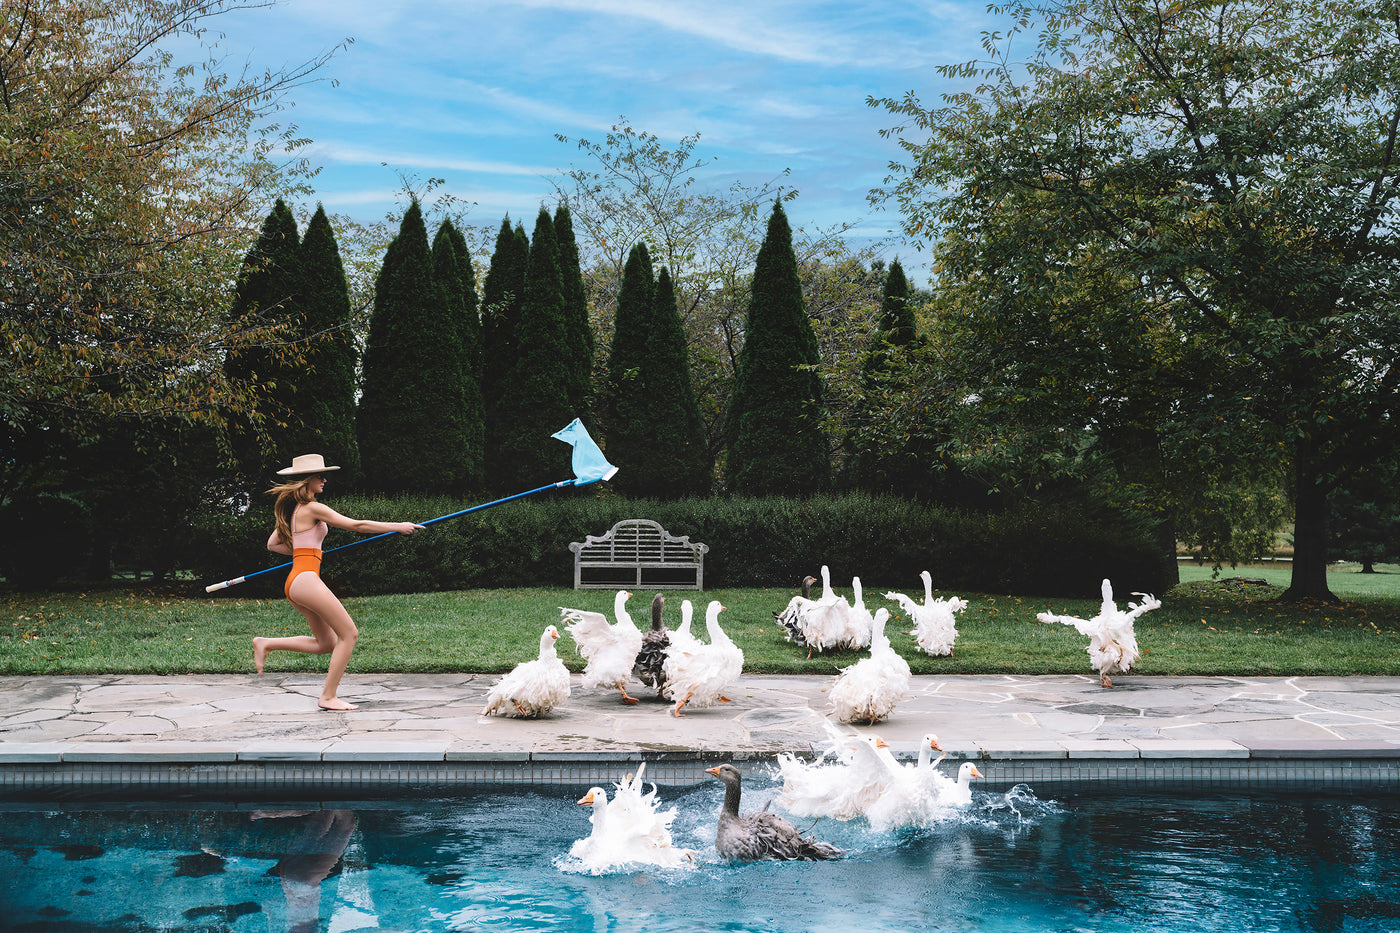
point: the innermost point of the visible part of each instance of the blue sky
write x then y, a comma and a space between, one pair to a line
473, 92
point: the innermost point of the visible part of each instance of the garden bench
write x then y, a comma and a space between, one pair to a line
638, 552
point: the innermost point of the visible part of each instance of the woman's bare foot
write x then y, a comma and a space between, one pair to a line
336, 705
259, 653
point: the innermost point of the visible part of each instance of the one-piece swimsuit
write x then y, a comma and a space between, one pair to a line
306, 552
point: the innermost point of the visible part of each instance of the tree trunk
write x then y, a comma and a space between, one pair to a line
1310, 506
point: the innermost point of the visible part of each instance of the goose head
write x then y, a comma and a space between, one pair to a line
928, 586
967, 772
547, 640
826, 583
620, 606
712, 612
927, 745
687, 613
807, 583
859, 601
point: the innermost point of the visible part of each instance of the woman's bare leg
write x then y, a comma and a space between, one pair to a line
333, 632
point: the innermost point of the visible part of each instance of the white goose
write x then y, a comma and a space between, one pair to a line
610, 650
696, 673
869, 690
935, 621
825, 623
859, 622
532, 688
842, 783
950, 792
628, 830
1112, 643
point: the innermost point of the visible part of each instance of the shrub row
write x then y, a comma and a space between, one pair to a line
756, 542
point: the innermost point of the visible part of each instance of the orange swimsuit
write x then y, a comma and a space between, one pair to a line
306, 552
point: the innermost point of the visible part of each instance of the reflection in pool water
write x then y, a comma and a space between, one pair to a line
497, 859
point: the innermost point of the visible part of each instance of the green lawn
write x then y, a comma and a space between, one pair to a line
1204, 627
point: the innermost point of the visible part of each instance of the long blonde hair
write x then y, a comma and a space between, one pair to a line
289, 496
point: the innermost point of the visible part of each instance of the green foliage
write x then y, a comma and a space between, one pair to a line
131, 182
268, 288
578, 329
628, 437
1177, 223
457, 355
1365, 524
37, 547
408, 423
776, 444
502, 294
677, 461
772, 541
325, 400
538, 404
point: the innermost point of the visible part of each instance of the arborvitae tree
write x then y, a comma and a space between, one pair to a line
326, 389
470, 324
867, 467
454, 358
406, 443
675, 460
627, 398
268, 285
776, 444
580, 333
501, 297
538, 404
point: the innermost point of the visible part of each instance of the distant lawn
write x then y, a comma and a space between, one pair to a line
1204, 627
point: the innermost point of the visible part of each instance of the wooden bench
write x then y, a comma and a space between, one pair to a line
638, 552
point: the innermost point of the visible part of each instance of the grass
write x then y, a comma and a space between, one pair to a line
1204, 627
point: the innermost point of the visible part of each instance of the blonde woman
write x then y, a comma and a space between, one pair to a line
302, 524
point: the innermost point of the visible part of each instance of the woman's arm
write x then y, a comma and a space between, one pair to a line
275, 544
364, 526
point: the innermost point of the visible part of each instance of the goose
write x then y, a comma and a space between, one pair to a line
698, 673
935, 621
955, 792
1112, 643
859, 621
651, 660
790, 617
842, 783
825, 623
610, 649
532, 688
869, 690
629, 829
758, 836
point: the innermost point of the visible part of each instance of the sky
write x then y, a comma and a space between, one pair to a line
474, 92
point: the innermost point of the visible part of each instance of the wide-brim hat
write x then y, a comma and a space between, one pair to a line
307, 463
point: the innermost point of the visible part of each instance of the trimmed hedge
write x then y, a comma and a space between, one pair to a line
1039, 549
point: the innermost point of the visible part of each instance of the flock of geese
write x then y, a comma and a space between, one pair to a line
855, 776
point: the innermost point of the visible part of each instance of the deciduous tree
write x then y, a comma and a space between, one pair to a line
1231, 170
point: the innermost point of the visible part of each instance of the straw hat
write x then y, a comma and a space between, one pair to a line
307, 463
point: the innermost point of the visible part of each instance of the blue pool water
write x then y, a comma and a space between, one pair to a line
495, 860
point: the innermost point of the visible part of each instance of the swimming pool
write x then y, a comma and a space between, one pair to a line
494, 859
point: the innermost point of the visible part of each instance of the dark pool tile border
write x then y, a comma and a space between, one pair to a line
1340, 748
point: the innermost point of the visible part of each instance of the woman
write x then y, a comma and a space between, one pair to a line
302, 524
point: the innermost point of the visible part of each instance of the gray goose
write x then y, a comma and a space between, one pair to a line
753, 837
650, 665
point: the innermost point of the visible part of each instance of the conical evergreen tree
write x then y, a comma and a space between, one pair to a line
580, 333
406, 442
454, 357
470, 326
776, 444
867, 467
538, 404
501, 296
627, 400
675, 461
268, 285
326, 388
